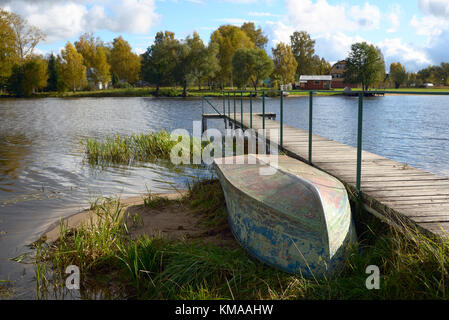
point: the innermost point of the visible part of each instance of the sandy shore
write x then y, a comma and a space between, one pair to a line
174, 220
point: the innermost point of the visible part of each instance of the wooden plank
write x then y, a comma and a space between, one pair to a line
416, 194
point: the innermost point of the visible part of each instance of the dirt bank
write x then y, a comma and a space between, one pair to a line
173, 219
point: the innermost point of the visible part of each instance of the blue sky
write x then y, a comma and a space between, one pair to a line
414, 32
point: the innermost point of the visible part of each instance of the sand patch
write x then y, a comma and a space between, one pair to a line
173, 220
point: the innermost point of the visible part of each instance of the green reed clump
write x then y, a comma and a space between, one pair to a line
138, 147
125, 149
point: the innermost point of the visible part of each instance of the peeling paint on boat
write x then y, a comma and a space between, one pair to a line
298, 219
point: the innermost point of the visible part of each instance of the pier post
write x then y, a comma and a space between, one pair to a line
203, 124
263, 110
282, 119
310, 125
359, 144
234, 108
241, 108
250, 110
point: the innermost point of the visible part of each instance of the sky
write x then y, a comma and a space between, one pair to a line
413, 32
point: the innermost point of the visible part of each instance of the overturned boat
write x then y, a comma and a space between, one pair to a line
286, 213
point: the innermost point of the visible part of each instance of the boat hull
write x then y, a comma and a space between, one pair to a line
284, 220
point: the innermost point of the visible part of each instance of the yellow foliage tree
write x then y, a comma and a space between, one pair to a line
86, 45
8, 54
285, 63
72, 69
124, 63
229, 39
101, 65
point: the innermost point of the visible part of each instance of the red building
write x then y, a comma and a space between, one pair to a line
337, 76
315, 82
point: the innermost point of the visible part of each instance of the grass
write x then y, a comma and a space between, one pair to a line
412, 265
128, 149
194, 92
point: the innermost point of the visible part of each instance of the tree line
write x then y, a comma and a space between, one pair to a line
234, 56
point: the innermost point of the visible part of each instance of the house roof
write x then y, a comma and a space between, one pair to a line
316, 78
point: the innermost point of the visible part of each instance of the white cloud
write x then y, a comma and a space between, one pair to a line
366, 17
437, 8
393, 16
61, 20
139, 50
336, 45
412, 57
320, 16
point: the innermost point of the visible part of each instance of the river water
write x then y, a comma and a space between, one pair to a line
43, 175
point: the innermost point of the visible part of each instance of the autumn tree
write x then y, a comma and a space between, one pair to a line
8, 54
101, 66
71, 68
124, 62
320, 66
398, 74
365, 65
87, 47
251, 65
229, 39
27, 37
159, 60
256, 35
285, 64
203, 62
303, 48
29, 76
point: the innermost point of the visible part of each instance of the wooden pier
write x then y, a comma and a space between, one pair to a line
392, 190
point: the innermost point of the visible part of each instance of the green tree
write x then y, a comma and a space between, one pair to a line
228, 39
303, 48
71, 68
320, 66
251, 65
53, 75
285, 64
398, 74
365, 65
29, 76
256, 35
203, 62
124, 62
159, 61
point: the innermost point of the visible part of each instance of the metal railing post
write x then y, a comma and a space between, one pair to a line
241, 109
234, 110
282, 119
250, 110
263, 110
202, 105
359, 144
224, 105
310, 125
229, 106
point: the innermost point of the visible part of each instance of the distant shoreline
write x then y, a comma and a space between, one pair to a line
177, 93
